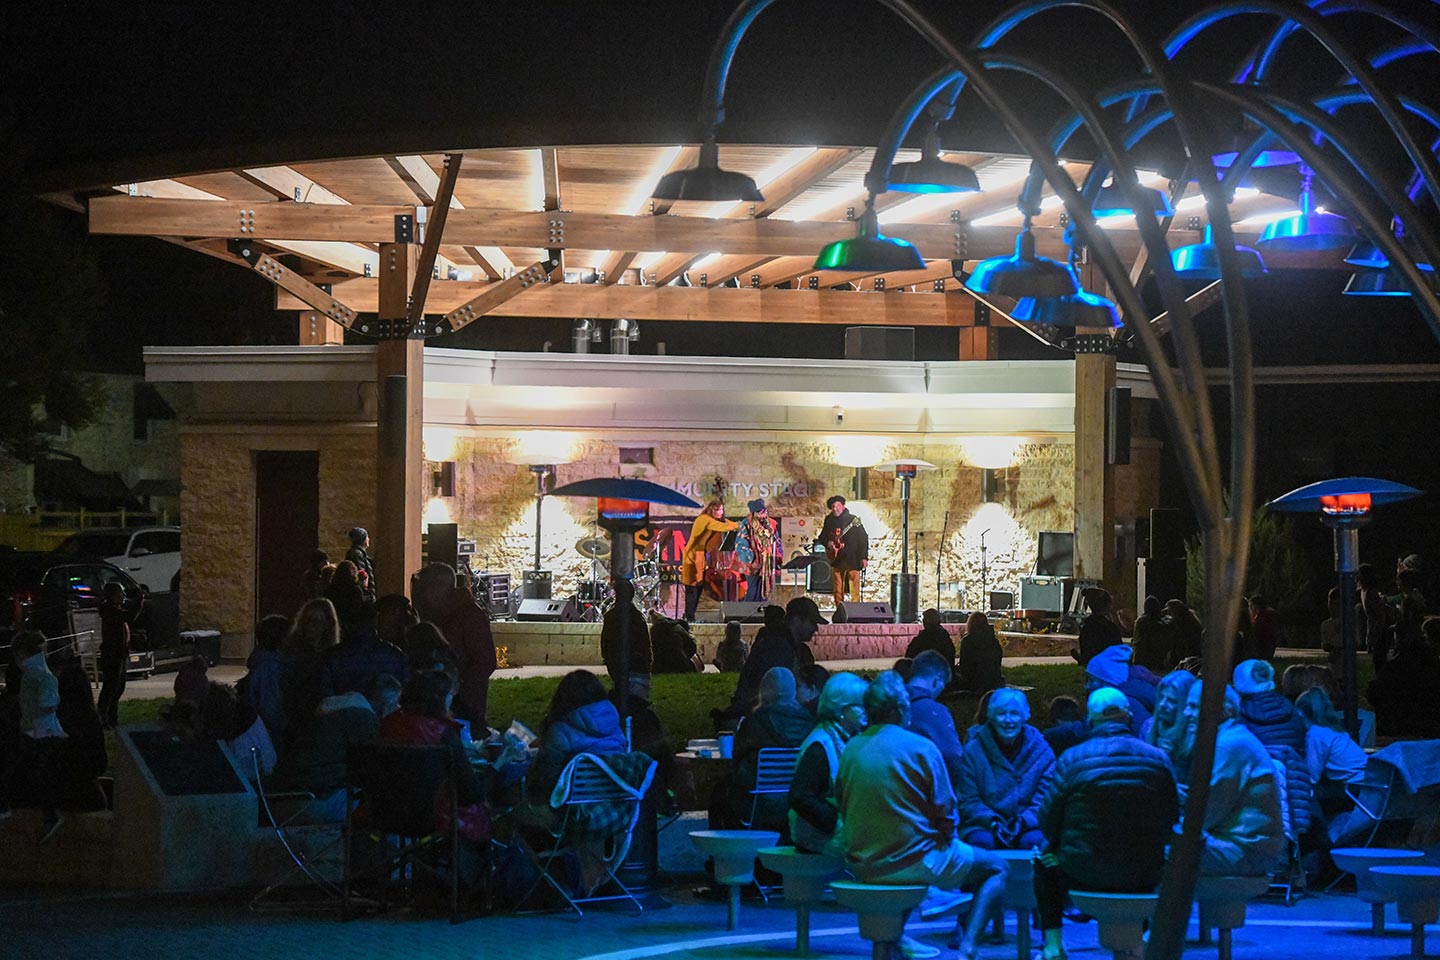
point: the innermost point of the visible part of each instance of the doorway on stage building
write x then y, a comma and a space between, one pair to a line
287, 527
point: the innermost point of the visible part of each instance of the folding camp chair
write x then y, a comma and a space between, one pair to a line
1401, 783
391, 796
303, 862
594, 803
774, 769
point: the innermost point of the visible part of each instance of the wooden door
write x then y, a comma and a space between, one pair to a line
287, 527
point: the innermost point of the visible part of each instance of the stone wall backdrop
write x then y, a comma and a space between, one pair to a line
495, 505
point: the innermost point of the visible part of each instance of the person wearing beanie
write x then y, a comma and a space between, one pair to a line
1264, 710
359, 554
758, 547
1106, 818
1111, 667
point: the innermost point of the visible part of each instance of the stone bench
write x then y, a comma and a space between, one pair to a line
1019, 896
805, 877
1416, 892
882, 909
1358, 861
734, 854
1121, 917
1222, 906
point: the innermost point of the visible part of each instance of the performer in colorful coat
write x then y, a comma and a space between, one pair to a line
759, 548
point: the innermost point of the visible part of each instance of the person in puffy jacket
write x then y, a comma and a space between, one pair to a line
1002, 775
1107, 815
580, 720
1264, 710
779, 721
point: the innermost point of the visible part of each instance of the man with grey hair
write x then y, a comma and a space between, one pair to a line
466, 627
898, 812
1107, 814
929, 673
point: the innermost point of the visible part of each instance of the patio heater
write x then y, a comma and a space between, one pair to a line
542, 465
905, 586
1344, 504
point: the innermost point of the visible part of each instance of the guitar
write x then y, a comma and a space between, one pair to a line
836, 543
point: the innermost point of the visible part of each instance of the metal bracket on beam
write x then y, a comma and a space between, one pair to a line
1090, 343
404, 228
962, 238
554, 257
493, 297
286, 279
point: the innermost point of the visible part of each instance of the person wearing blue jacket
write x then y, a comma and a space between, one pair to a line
1002, 777
581, 719
1265, 711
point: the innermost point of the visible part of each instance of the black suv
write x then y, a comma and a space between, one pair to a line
60, 596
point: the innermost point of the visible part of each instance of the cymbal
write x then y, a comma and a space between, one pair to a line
594, 548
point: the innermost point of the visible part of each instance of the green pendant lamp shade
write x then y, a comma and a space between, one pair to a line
870, 250
706, 181
1083, 309
1201, 261
1024, 274
1113, 202
930, 174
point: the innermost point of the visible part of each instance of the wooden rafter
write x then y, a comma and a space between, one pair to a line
295, 285
619, 261
434, 230
287, 183
745, 305
496, 294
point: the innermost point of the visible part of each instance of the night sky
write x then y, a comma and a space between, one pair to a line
92, 89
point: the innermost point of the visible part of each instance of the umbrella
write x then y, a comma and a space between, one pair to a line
624, 488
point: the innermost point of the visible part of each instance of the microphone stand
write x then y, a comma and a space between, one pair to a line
984, 572
939, 556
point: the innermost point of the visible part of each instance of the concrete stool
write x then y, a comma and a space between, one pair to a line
882, 909
1019, 896
1416, 892
1222, 905
1121, 917
734, 854
1359, 860
805, 877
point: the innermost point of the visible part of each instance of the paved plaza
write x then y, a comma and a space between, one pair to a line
40, 926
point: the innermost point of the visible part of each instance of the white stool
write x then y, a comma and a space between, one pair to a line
1019, 896
1121, 917
1416, 892
882, 909
1222, 906
734, 854
1359, 860
805, 877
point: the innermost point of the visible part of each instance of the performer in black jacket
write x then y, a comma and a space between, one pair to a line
848, 547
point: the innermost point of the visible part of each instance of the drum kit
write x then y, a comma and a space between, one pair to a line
595, 596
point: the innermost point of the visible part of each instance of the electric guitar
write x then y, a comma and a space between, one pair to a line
836, 543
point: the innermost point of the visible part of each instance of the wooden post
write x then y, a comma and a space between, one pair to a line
318, 330
1094, 490
400, 387
978, 339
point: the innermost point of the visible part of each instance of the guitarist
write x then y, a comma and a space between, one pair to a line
848, 547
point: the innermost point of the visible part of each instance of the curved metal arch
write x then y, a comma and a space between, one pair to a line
1308, 20
877, 178
1261, 66
717, 72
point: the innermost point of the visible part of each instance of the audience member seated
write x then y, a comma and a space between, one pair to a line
12, 743
1098, 630
1331, 757
1187, 638
393, 616
316, 630
1264, 710
424, 719
580, 719
672, 646
978, 668
1330, 640
1107, 815
348, 597
903, 667
263, 686
1244, 831
1166, 728
730, 655
42, 737
779, 721
813, 813
1264, 632
1067, 724
82, 757
932, 636
426, 649
1111, 667
624, 613
647, 732
1002, 777
929, 674
315, 762
1152, 637
898, 819
783, 643
809, 681
1407, 687
362, 656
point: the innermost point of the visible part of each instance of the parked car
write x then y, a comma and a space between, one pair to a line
151, 555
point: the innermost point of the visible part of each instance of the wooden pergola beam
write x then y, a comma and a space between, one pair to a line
708, 304
307, 293
434, 230
149, 216
494, 295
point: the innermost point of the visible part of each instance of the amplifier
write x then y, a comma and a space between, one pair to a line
465, 548
552, 611
851, 611
1042, 593
493, 592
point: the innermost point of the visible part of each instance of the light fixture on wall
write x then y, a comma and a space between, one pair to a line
860, 485
443, 479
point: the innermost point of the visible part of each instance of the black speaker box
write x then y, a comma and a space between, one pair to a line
817, 576
535, 584
1166, 538
548, 611
1117, 425
1159, 577
854, 611
744, 611
442, 544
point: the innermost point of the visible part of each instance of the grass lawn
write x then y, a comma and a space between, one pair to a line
684, 701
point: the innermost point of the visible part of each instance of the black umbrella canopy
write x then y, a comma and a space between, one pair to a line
624, 488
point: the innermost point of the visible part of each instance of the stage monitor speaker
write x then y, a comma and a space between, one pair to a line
548, 611
442, 544
1001, 599
1056, 556
1042, 593
1167, 541
879, 343
744, 611
817, 576
535, 584
1159, 577
1117, 425
855, 611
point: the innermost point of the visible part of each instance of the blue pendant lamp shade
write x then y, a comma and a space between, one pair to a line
1389, 282
1024, 274
1201, 261
1083, 309
1307, 230
930, 174
1114, 202
1266, 158
706, 181
1367, 254
870, 250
